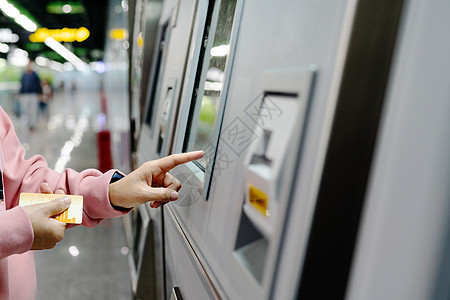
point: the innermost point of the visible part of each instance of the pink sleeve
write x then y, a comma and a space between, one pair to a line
21, 175
16, 232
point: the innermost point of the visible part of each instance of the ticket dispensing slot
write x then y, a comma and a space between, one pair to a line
279, 118
165, 119
270, 163
266, 156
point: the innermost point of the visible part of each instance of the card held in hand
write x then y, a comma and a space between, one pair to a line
72, 215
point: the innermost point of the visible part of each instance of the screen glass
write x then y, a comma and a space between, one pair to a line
210, 86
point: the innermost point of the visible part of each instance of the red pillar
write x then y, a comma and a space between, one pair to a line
104, 150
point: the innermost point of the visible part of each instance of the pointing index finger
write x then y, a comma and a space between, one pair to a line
169, 162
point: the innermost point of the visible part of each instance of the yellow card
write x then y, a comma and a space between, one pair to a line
72, 215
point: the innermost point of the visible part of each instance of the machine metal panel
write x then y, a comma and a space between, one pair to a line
308, 179
176, 23
286, 42
403, 250
184, 272
137, 59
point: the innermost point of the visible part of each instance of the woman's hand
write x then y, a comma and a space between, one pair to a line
150, 182
47, 231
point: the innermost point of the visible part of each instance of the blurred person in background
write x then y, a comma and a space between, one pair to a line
47, 94
30, 93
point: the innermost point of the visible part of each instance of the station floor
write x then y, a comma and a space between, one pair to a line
90, 263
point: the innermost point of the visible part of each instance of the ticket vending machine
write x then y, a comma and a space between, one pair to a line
156, 134
261, 117
286, 98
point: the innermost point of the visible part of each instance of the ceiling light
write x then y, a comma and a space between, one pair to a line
67, 8
7, 36
19, 52
11, 11
60, 35
18, 57
4, 48
221, 50
41, 61
98, 66
68, 67
66, 54
26, 23
48, 63
57, 66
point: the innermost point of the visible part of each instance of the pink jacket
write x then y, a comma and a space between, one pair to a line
17, 268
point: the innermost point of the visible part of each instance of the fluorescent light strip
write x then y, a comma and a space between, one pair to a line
26, 23
11, 11
66, 54
48, 63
